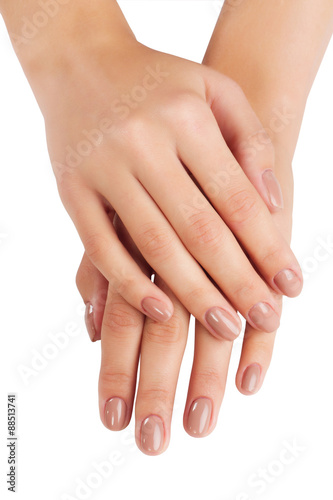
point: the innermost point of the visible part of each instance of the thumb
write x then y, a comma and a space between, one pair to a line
245, 135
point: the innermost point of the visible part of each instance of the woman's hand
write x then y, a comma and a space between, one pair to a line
127, 336
168, 145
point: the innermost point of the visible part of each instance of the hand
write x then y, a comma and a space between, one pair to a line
130, 117
127, 335
130, 159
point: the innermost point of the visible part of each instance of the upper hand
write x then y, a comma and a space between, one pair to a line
121, 127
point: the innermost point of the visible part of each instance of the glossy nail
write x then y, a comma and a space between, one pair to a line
90, 323
273, 189
223, 324
152, 434
264, 317
199, 417
156, 309
251, 378
288, 282
115, 414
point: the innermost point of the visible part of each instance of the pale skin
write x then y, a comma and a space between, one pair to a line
124, 325
160, 356
129, 119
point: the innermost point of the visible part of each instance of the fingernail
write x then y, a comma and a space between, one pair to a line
223, 324
251, 378
115, 414
264, 317
273, 189
288, 282
90, 323
199, 417
156, 309
152, 434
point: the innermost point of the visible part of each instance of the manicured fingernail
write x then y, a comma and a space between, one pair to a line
264, 317
199, 417
156, 309
251, 378
90, 322
288, 282
115, 414
152, 434
223, 324
273, 189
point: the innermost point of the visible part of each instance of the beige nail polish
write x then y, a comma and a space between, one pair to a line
115, 414
89, 320
288, 282
264, 317
273, 189
152, 434
199, 417
156, 309
223, 323
251, 378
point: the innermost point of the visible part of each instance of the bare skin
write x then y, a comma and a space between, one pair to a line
280, 110
126, 333
128, 121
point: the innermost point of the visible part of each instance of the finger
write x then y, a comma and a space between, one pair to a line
120, 343
112, 259
246, 137
93, 288
211, 243
255, 359
162, 350
207, 383
166, 254
239, 205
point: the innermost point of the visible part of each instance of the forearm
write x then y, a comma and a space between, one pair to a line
273, 49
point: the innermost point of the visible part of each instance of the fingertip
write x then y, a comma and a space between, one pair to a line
156, 309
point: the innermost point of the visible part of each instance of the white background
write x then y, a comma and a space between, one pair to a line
60, 435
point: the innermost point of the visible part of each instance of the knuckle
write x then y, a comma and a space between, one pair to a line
159, 396
155, 243
122, 283
121, 380
271, 254
194, 296
183, 109
135, 132
95, 246
120, 317
241, 207
163, 333
209, 377
248, 288
203, 230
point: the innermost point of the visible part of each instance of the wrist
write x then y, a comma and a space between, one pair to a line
50, 36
